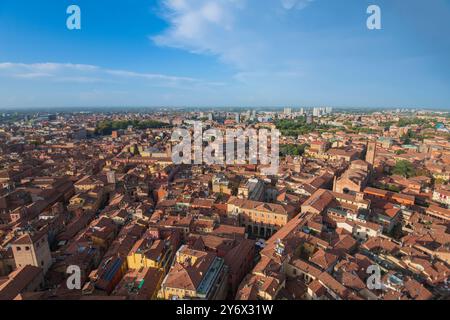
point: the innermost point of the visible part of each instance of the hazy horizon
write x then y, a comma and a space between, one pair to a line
208, 108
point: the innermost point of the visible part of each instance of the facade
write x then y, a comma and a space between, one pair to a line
371, 153
259, 218
319, 147
240, 261
252, 189
33, 250
221, 184
354, 179
399, 198
442, 196
150, 253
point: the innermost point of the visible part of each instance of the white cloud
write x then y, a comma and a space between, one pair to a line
246, 34
47, 66
150, 76
83, 73
295, 4
33, 75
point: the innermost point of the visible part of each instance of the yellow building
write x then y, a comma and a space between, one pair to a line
149, 253
89, 201
221, 184
195, 275
88, 183
260, 218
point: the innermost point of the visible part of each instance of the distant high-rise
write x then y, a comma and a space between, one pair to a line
238, 118
287, 111
317, 112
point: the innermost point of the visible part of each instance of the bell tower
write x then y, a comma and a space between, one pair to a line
371, 153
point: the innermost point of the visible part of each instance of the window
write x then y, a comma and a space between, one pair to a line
18, 248
27, 248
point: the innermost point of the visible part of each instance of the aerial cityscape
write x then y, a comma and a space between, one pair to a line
98, 193
224, 151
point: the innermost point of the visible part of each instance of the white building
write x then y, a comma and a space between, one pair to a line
442, 196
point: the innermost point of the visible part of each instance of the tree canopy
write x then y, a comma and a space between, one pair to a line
106, 127
292, 149
296, 127
404, 168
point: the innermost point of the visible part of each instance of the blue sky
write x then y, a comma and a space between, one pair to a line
225, 53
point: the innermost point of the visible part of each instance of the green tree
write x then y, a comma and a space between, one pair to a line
406, 138
105, 127
292, 150
296, 127
404, 168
